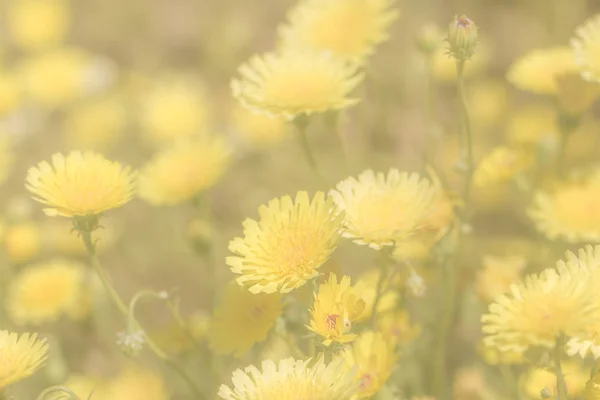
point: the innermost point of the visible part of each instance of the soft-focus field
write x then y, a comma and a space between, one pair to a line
311, 199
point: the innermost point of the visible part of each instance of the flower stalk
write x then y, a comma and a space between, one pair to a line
383, 274
301, 124
561, 387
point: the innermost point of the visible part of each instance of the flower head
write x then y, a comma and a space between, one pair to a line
462, 38
37, 24
538, 70
242, 319
586, 45
375, 357
496, 276
284, 249
314, 25
292, 379
337, 305
80, 184
383, 209
570, 212
45, 292
183, 170
21, 356
558, 301
500, 165
296, 83
22, 242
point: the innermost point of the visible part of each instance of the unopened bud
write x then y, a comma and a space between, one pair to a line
462, 38
429, 38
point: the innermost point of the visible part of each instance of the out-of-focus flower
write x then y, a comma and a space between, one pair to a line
462, 38
10, 92
44, 292
375, 357
134, 383
500, 165
174, 339
592, 388
336, 307
497, 275
586, 45
531, 124
534, 381
382, 209
367, 287
296, 83
21, 356
429, 38
174, 108
538, 70
183, 170
570, 212
58, 77
558, 301
80, 184
95, 124
285, 248
487, 101
397, 326
242, 319
291, 379
37, 24
575, 95
258, 129
22, 242
314, 25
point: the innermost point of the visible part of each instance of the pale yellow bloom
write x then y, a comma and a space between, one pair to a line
315, 25
532, 124
500, 165
497, 275
22, 242
382, 209
285, 248
292, 379
183, 170
21, 356
586, 45
80, 184
38, 24
134, 383
296, 83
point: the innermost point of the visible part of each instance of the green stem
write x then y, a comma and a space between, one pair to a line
123, 308
467, 134
383, 273
301, 126
312, 341
58, 389
560, 378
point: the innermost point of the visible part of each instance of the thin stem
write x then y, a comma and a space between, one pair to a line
58, 389
467, 134
560, 378
123, 308
383, 273
312, 341
301, 126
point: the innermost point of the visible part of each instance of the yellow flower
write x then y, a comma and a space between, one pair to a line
10, 92
586, 45
576, 95
592, 388
497, 275
95, 124
487, 101
397, 327
532, 124
538, 70
538, 379
22, 242
555, 302
314, 25
80, 184
183, 170
296, 83
381, 210
570, 212
134, 383
37, 24
242, 319
259, 129
44, 292
375, 357
292, 379
336, 307
21, 356
283, 250
174, 108
500, 165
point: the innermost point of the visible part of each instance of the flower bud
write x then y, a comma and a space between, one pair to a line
462, 38
429, 38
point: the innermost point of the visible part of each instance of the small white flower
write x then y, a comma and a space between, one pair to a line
131, 343
416, 284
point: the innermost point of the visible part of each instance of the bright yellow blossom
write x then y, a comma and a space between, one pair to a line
38, 24
21, 356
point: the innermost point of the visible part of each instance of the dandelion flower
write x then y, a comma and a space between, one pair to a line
314, 25
556, 302
375, 357
134, 383
537, 379
292, 379
80, 184
44, 292
496, 276
174, 108
183, 170
570, 212
37, 24
500, 165
586, 45
337, 305
22, 242
383, 209
21, 356
296, 83
538, 70
242, 319
285, 248
259, 129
